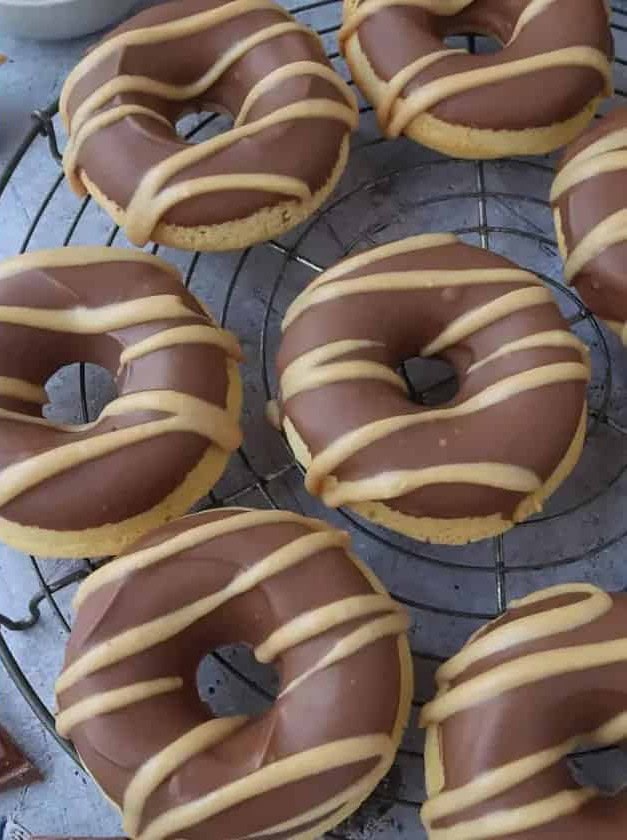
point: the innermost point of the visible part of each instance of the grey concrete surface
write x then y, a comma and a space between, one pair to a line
389, 190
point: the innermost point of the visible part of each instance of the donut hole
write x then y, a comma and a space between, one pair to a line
603, 769
65, 393
232, 682
198, 126
430, 381
480, 43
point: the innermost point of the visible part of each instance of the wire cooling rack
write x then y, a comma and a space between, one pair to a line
391, 189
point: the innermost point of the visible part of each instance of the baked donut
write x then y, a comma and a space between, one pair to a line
73, 491
548, 677
248, 58
289, 588
589, 199
532, 96
454, 473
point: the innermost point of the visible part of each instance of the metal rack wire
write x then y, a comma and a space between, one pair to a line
390, 189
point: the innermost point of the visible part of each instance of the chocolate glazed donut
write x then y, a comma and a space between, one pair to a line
287, 149
545, 679
589, 199
157, 448
454, 473
289, 588
481, 106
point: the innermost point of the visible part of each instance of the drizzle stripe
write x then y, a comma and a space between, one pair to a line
180, 93
392, 485
287, 73
163, 764
477, 319
502, 823
610, 143
313, 623
151, 633
352, 442
341, 372
170, 31
297, 371
502, 779
379, 628
82, 320
523, 671
390, 281
196, 415
394, 87
146, 557
79, 255
611, 231
433, 93
443, 8
98, 122
531, 11
110, 701
304, 765
591, 168
423, 242
175, 336
20, 389
143, 211
550, 338
22, 476
524, 630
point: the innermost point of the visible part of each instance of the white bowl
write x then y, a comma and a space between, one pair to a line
57, 19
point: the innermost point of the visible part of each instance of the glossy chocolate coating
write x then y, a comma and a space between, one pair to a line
114, 746
514, 104
405, 322
117, 158
603, 281
131, 479
535, 717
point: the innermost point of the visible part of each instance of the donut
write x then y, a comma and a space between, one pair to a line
454, 473
547, 678
535, 94
290, 589
589, 199
282, 157
159, 446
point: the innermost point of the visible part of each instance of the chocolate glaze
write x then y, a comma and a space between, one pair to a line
132, 479
405, 322
513, 104
539, 716
15, 768
116, 158
114, 746
601, 283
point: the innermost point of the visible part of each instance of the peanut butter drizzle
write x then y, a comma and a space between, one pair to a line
387, 619
303, 765
396, 113
141, 638
519, 672
323, 290
153, 198
435, 92
175, 411
611, 231
111, 701
319, 480
19, 389
608, 154
317, 368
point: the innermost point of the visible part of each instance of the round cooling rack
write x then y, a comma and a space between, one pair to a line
391, 189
